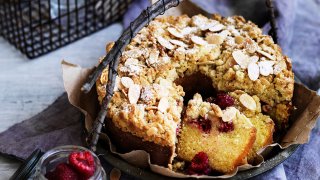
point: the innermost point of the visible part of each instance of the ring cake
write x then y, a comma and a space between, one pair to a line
200, 95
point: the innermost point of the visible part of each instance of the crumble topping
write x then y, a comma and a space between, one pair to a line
232, 52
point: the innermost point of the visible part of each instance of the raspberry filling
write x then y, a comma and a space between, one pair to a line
223, 100
203, 124
226, 126
199, 165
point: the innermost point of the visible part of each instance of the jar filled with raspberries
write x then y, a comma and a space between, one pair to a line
69, 163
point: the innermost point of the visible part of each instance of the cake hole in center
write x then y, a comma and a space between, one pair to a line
196, 83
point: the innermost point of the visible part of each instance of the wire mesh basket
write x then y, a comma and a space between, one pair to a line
37, 27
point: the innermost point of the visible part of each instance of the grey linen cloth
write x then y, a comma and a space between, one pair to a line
299, 36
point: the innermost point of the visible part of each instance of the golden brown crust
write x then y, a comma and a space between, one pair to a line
233, 53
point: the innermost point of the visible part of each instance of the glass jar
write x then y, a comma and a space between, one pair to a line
53, 157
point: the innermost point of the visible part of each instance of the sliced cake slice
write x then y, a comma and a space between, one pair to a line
224, 137
251, 107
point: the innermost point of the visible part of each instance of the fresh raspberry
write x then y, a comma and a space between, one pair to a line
203, 124
199, 164
83, 162
224, 100
63, 172
226, 126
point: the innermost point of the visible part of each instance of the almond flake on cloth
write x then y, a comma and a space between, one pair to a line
248, 102
163, 104
216, 28
127, 82
153, 57
229, 114
179, 43
267, 55
165, 43
175, 32
198, 40
253, 71
241, 58
188, 30
134, 93
266, 67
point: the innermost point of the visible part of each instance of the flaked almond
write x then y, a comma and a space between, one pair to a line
188, 30
239, 39
175, 32
215, 39
225, 33
163, 104
198, 40
248, 102
116, 84
229, 114
127, 82
134, 93
208, 25
267, 55
153, 57
277, 68
266, 67
161, 90
133, 53
253, 59
216, 28
241, 58
165, 43
253, 71
179, 43
131, 61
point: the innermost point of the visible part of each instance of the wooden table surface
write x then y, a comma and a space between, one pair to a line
28, 86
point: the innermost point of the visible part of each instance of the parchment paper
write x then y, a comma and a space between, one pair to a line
303, 119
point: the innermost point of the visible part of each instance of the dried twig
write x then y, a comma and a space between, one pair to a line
112, 59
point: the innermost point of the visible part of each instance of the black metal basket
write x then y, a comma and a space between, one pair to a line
37, 27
